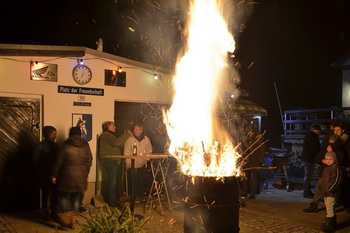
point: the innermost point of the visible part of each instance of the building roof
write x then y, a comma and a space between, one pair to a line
248, 108
69, 51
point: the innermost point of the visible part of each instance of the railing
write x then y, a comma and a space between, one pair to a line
300, 121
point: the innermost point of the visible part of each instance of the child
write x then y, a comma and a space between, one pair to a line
329, 187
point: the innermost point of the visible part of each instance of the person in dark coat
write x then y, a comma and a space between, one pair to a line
255, 152
311, 146
45, 153
329, 188
335, 142
71, 172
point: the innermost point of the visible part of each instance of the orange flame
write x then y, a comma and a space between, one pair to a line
197, 139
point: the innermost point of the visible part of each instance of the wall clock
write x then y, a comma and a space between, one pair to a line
82, 74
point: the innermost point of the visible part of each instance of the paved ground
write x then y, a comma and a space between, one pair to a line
274, 210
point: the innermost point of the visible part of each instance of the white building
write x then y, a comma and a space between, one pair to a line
38, 88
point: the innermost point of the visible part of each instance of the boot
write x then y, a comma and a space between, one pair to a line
330, 224
64, 218
73, 221
312, 208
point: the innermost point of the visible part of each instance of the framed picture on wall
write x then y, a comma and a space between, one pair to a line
115, 78
43, 72
84, 122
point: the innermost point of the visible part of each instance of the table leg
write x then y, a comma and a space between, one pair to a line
155, 186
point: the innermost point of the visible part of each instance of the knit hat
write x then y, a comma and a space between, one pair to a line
74, 131
331, 154
47, 130
315, 127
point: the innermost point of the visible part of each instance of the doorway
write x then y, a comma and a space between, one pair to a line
19, 131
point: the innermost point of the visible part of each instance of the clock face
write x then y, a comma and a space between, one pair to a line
82, 74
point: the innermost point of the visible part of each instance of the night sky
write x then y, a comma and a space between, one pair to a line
291, 43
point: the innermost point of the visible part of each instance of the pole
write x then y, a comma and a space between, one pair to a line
279, 105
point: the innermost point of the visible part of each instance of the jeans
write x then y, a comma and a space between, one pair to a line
309, 168
113, 187
110, 195
69, 201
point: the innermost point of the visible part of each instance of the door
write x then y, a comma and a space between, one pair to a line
19, 131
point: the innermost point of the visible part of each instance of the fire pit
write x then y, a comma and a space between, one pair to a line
212, 205
199, 141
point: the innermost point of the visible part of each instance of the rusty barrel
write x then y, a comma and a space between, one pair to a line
211, 205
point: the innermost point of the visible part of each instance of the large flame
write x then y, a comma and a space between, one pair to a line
197, 139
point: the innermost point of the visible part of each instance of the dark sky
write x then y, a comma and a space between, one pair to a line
291, 43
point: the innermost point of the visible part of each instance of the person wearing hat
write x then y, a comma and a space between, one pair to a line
71, 172
311, 146
44, 155
329, 187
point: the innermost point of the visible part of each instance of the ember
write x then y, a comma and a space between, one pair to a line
198, 140
200, 143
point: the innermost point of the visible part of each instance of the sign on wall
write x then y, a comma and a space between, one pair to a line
80, 90
43, 71
84, 122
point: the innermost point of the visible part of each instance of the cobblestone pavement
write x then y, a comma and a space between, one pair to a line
248, 223
273, 211
255, 223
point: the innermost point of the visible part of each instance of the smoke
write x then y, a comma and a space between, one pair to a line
153, 31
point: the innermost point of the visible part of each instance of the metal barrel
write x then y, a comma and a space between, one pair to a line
211, 205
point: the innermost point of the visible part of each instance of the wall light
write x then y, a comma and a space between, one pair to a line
120, 69
155, 77
80, 62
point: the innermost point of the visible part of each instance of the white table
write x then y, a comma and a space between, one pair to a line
155, 169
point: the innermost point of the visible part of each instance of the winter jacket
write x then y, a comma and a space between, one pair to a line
109, 143
73, 165
330, 181
44, 156
311, 146
143, 148
340, 147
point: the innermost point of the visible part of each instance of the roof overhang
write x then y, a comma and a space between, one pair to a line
41, 50
70, 51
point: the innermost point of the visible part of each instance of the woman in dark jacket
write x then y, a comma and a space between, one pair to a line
71, 171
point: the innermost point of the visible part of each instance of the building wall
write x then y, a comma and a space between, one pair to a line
57, 108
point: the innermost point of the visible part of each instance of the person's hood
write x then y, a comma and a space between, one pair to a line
76, 141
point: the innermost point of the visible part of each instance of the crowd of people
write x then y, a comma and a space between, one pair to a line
62, 171
62, 174
333, 158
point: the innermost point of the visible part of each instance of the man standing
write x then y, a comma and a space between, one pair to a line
255, 157
311, 146
143, 147
110, 145
71, 172
44, 156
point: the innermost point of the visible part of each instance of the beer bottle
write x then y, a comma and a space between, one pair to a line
134, 149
